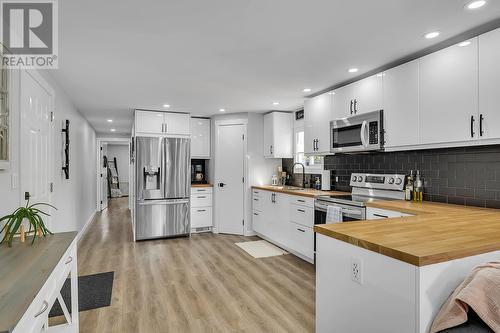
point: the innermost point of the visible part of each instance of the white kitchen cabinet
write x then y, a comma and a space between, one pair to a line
401, 105
161, 123
368, 94
201, 209
200, 138
448, 95
318, 112
489, 83
378, 213
278, 135
343, 102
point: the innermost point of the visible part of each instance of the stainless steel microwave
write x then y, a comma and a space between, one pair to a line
362, 132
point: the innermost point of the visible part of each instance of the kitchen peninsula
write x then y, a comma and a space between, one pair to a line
393, 275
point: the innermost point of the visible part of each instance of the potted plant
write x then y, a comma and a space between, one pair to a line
14, 221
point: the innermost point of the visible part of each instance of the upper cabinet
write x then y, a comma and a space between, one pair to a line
401, 105
318, 112
278, 135
489, 83
200, 138
448, 94
161, 123
362, 96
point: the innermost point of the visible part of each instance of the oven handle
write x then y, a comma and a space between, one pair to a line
363, 134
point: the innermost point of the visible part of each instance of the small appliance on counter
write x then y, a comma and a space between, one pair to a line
198, 174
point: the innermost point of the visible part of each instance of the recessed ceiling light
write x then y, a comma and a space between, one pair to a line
331, 93
307, 90
432, 34
112, 130
465, 43
166, 106
222, 110
276, 103
380, 74
110, 120
475, 4
353, 70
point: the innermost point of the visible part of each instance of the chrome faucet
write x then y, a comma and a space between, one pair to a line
303, 173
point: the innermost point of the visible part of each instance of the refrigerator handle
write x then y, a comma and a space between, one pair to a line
163, 164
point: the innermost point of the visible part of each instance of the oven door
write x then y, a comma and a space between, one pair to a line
358, 133
348, 214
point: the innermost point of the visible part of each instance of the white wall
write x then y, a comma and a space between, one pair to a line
121, 152
75, 198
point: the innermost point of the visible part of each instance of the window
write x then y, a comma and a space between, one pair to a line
4, 118
313, 163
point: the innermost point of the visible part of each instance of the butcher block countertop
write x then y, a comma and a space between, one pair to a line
437, 233
307, 192
201, 185
23, 271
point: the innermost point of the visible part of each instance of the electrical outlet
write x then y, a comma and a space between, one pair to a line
357, 270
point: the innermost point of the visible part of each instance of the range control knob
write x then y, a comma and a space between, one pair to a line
398, 181
391, 180
353, 178
360, 178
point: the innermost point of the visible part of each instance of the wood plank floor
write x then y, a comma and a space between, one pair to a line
200, 284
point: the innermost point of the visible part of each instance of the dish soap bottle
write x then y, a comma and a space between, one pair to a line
418, 192
317, 184
409, 187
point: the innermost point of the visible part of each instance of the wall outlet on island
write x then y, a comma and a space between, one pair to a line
357, 270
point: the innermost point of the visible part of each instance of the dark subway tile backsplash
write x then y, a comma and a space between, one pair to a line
464, 176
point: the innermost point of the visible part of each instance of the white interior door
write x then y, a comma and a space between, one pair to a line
230, 165
35, 161
104, 177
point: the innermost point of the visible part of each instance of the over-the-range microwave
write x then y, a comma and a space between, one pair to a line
359, 133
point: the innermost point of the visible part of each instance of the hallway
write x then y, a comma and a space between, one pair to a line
201, 284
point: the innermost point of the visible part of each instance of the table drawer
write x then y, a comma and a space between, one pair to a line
201, 190
302, 215
201, 200
201, 217
302, 201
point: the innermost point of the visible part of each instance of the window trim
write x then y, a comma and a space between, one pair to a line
317, 169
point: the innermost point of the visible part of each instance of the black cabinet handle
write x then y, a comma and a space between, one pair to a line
355, 106
301, 230
472, 126
352, 103
299, 200
383, 216
481, 124
255, 199
255, 214
301, 210
201, 197
202, 210
222, 184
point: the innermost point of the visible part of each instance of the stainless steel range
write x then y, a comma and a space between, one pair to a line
365, 188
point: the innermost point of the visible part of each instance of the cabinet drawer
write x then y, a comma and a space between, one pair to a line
201, 200
301, 239
201, 190
257, 203
302, 215
201, 217
302, 201
256, 193
378, 213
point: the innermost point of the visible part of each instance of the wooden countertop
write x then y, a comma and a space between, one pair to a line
201, 185
23, 272
308, 192
437, 232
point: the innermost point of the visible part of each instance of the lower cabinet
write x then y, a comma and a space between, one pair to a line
378, 213
201, 209
285, 221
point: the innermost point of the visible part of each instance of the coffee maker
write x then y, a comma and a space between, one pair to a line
198, 175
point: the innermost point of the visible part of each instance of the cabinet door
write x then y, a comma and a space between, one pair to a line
318, 112
257, 224
342, 101
489, 83
448, 95
200, 138
177, 123
149, 122
368, 94
280, 217
268, 135
401, 105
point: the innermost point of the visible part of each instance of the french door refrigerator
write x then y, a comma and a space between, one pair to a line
162, 187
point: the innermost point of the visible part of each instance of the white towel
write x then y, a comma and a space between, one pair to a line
333, 214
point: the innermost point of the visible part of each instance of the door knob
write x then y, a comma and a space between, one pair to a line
221, 184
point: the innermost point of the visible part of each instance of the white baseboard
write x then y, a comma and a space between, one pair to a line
85, 228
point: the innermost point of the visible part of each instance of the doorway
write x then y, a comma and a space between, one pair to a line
36, 103
230, 166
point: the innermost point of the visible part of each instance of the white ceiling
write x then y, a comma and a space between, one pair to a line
240, 55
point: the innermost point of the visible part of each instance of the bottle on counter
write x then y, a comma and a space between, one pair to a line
418, 192
317, 184
409, 187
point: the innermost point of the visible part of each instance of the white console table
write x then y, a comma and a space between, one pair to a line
31, 281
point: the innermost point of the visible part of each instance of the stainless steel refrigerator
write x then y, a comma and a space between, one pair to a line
162, 187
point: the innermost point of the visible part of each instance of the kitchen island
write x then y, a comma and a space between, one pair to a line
393, 275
